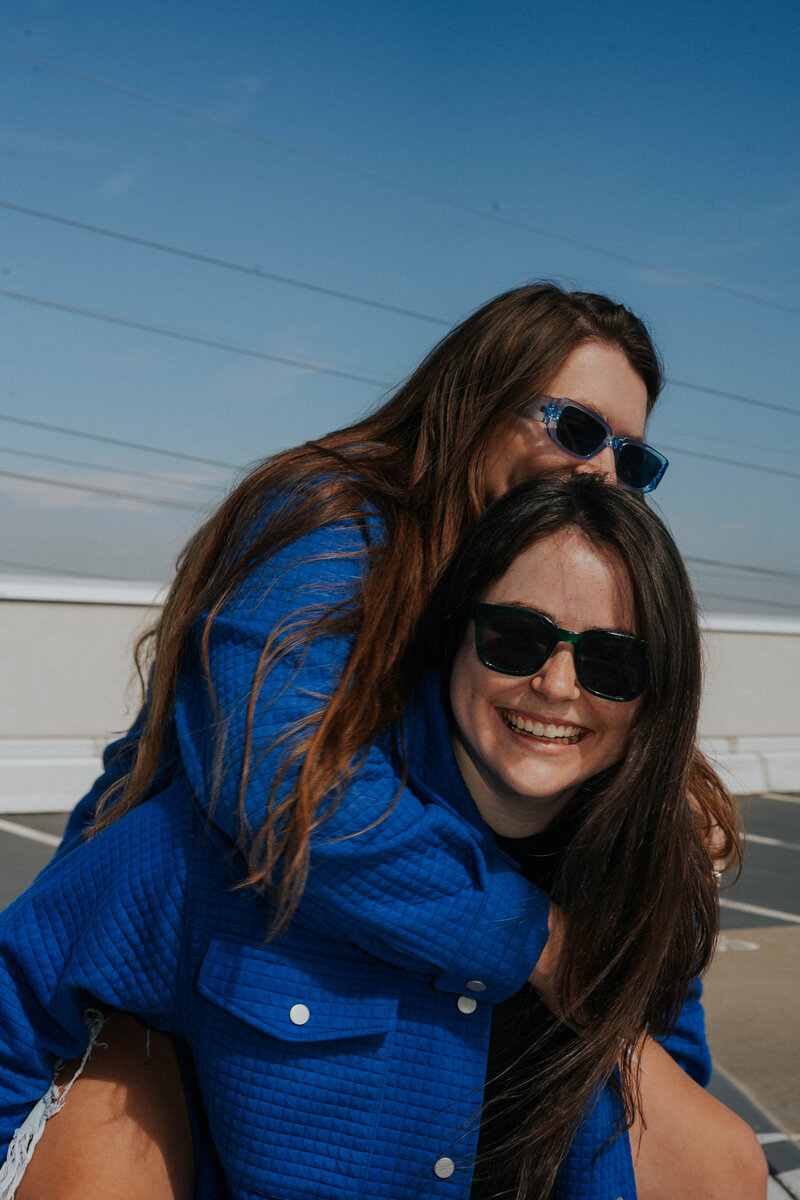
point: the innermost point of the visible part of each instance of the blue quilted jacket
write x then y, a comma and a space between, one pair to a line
348, 1057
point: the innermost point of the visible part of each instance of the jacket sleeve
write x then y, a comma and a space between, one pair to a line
416, 887
117, 761
686, 1042
102, 925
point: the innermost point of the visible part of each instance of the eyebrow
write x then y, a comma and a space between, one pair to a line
538, 612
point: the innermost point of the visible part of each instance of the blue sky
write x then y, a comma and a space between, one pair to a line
423, 156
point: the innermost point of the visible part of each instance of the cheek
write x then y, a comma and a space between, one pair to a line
473, 692
620, 727
461, 686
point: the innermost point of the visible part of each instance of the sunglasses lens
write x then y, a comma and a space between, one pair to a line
513, 643
638, 466
579, 432
613, 666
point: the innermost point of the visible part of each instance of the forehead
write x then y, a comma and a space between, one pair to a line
575, 583
601, 377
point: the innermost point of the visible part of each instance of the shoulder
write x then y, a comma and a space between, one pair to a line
143, 856
109, 916
326, 562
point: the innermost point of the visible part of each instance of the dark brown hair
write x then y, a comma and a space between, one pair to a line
417, 462
635, 881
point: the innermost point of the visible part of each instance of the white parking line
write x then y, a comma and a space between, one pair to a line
768, 841
33, 835
790, 1182
779, 796
740, 906
775, 1191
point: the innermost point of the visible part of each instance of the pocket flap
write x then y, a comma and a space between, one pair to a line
293, 996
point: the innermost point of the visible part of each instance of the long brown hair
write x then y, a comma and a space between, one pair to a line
417, 462
635, 880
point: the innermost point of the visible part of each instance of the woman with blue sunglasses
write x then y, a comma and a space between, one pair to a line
277, 657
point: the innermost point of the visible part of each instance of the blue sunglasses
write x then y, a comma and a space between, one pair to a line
583, 433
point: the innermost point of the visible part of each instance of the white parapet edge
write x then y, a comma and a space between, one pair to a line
59, 590
749, 623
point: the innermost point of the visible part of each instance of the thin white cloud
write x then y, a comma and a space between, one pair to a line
18, 138
789, 206
121, 183
245, 85
31, 493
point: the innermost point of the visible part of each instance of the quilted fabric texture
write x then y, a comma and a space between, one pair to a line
336, 1061
419, 889
324, 1072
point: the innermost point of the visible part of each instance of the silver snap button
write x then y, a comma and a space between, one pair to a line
467, 1004
476, 985
443, 1168
299, 1014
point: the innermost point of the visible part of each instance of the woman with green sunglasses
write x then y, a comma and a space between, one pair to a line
311, 580
577, 747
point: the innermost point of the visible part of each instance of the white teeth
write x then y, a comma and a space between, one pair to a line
551, 731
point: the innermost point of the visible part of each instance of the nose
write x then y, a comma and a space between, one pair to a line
602, 464
557, 680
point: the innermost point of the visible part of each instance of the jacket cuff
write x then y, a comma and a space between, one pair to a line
497, 955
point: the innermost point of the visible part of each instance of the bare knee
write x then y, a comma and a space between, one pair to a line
690, 1146
123, 1132
743, 1168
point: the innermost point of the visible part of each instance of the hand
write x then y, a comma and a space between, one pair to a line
545, 974
712, 835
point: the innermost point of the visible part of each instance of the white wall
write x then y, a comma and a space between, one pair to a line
67, 688
68, 684
750, 720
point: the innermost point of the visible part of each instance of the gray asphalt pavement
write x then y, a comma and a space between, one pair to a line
21, 857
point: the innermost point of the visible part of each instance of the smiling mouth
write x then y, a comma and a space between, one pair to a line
562, 735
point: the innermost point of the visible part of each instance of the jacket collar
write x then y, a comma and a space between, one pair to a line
432, 768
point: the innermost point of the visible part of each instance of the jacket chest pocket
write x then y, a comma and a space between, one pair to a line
292, 1057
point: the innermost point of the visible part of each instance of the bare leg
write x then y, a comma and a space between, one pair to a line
123, 1133
693, 1148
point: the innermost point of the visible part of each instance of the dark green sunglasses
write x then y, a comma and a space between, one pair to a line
516, 641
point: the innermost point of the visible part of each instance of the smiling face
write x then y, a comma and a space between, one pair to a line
597, 376
525, 744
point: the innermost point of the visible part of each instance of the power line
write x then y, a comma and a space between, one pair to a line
196, 339
100, 491
714, 562
113, 441
751, 447
790, 575
397, 184
304, 364
731, 462
149, 449
320, 368
214, 261
229, 264
80, 433
711, 391
77, 462
794, 608
21, 566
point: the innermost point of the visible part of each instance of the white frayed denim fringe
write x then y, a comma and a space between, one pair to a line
26, 1138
